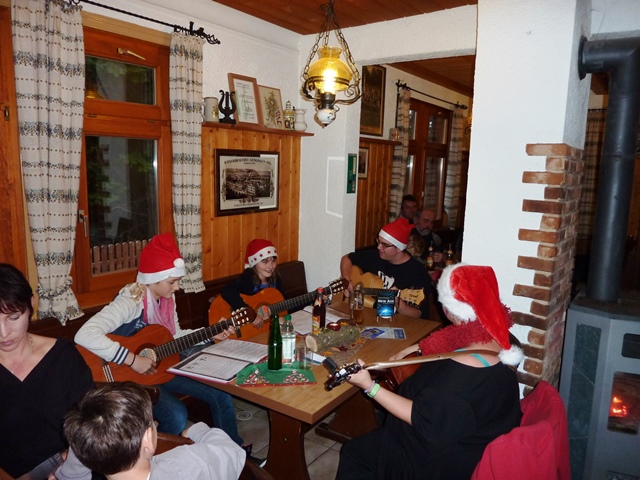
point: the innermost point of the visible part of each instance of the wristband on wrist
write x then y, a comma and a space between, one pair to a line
132, 361
374, 390
373, 383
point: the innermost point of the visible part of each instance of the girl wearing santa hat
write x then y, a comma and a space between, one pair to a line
260, 262
446, 413
151, 300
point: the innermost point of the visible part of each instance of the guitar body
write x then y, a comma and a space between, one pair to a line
149, 337
265, 297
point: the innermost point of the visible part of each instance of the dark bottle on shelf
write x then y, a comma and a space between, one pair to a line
274, 360
319, 314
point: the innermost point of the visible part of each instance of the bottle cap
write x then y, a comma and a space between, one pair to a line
287, 317
320, 289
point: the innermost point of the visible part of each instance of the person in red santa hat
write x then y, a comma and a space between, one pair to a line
260, 262
393, 264
151, 300
444, 415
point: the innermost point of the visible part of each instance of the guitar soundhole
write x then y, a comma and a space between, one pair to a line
149, 353
263, 311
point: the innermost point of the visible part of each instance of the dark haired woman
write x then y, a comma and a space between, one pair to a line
41, 378
260, 263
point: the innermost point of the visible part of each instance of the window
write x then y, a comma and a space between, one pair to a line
125, 189
428, 153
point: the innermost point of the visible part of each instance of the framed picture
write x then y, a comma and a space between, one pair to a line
271, 106
247, 100
363, 162
372, 108
246, 181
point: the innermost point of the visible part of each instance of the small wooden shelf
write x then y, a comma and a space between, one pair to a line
379, 140
257, 128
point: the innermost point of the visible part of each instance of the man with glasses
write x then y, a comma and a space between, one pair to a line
395, 267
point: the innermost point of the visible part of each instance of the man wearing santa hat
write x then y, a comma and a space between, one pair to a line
444, 415
393, 264
151, 300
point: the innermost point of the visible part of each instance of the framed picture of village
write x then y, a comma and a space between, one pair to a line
246, 181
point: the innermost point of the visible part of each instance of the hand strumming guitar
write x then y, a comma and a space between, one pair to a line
140, 364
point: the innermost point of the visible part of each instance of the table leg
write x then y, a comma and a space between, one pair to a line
353, 418
286, 458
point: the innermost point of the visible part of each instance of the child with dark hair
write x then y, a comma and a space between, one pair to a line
112, 432
260, 262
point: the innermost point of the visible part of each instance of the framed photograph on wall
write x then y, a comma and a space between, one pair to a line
372, 108
363, 162
247, 100
246, 181
271, 107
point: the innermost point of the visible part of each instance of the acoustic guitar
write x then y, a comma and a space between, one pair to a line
157, 343
371, 286
269, 302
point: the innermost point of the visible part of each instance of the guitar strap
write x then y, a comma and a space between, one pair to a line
427, 358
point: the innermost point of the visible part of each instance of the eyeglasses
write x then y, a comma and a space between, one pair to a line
384, 245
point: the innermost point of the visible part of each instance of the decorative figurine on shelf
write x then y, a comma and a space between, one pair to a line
289, 116
227, 106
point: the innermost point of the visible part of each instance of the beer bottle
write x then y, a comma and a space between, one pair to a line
274, 359
319, 311
448, 259
429, 261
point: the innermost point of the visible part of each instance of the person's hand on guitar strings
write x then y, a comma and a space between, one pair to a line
140, 364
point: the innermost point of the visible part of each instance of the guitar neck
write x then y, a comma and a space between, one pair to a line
182, 343
295, 302
374, 292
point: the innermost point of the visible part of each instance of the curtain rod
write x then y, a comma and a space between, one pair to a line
400, 85
176, 28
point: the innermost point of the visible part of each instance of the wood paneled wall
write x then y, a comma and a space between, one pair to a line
372, 209
224, 239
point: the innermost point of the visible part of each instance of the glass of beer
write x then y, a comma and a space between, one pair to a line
356, 305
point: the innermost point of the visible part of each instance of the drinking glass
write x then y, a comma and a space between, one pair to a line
356, 307
303, 360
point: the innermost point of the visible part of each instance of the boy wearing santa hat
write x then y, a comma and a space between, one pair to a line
393, 264
446, 413
260, 262
151, 300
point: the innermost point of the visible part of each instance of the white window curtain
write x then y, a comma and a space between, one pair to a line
400, 154
185, 91
48, 57
454, 168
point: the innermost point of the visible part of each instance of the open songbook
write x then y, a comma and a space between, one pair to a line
221, 362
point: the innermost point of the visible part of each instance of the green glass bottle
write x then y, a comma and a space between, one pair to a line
274, 361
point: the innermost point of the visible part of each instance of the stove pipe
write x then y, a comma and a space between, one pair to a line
621, 58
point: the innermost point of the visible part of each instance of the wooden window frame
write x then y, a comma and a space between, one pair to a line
111, 118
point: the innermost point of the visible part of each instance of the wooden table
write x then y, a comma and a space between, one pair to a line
294, 410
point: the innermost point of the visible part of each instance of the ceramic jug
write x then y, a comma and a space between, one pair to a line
211, 109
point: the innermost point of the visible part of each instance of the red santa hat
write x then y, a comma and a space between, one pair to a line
159, 260
258, 250
470, 292
397, 232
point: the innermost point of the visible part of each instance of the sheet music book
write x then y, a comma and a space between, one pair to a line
220, 362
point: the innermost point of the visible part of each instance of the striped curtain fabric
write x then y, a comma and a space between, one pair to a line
592, 154
185, 92
400, 154
48, 52
454, 164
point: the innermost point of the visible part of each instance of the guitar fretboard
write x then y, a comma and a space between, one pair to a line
182, 343
377, 291
305, 299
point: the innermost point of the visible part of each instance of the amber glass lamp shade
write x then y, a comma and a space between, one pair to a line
329, 73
